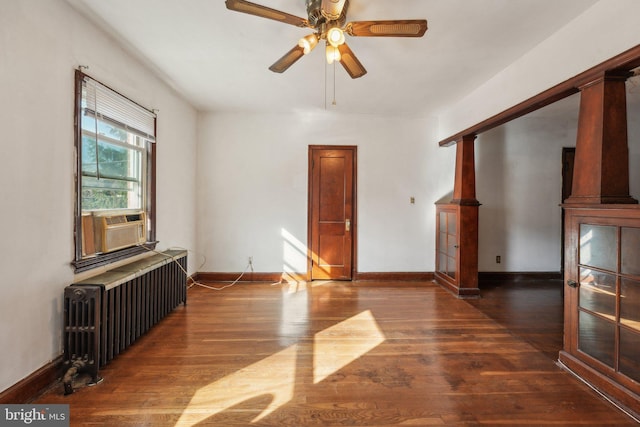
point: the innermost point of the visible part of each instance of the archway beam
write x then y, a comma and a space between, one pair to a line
626, 61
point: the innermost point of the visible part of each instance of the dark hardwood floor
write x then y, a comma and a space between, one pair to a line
347, 354
529, 309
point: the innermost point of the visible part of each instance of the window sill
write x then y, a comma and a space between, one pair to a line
101, 260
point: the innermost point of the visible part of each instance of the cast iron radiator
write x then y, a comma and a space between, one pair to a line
105, 314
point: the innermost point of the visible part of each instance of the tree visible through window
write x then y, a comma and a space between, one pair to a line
112, 170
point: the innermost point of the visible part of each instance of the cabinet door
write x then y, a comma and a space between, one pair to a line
606, 305
447, 243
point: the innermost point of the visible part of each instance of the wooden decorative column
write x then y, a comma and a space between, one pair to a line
457, 225
601, 173
602, 254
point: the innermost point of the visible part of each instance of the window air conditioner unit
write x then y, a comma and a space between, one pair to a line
113, 231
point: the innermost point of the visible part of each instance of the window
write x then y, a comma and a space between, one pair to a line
114, 141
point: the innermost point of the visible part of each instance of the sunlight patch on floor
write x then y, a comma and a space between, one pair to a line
333, 349
274, 375
343, 343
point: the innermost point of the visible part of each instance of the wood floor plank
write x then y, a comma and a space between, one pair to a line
344, 354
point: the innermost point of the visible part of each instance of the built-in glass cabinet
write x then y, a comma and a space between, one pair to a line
609, 296
447, 243
457, 248
602, 298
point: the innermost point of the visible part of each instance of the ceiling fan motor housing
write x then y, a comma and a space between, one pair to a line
317, 19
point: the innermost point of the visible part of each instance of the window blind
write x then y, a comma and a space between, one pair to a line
110, 106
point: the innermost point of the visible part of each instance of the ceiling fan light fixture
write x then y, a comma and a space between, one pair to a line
335, 36
333, 54
307, 43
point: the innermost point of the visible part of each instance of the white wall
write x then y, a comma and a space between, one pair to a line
519, 183
253, 187
606, 29
41, 43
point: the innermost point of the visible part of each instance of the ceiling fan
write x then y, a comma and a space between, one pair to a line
328, 19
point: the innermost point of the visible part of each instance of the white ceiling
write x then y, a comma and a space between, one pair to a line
218, 59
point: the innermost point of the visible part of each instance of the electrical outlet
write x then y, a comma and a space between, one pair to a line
250, 260
498, 259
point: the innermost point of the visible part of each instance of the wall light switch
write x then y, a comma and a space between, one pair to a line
412, 200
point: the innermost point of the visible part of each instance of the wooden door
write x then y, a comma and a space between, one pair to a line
331, 212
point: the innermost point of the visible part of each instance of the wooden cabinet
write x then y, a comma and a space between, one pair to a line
456, 248
602, 299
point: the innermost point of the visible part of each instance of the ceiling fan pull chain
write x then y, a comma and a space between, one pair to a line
334, 84
325, 84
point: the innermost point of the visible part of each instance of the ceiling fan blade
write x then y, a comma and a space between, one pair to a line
332, 9
265, 12
350, 62
287, 60
392, 28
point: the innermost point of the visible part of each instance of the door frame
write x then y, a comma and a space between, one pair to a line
354, 219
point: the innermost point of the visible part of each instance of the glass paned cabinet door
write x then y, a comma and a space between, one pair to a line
452, 245
598, 255
630, 302
447, 243
602, 298
609, 297
443, 260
